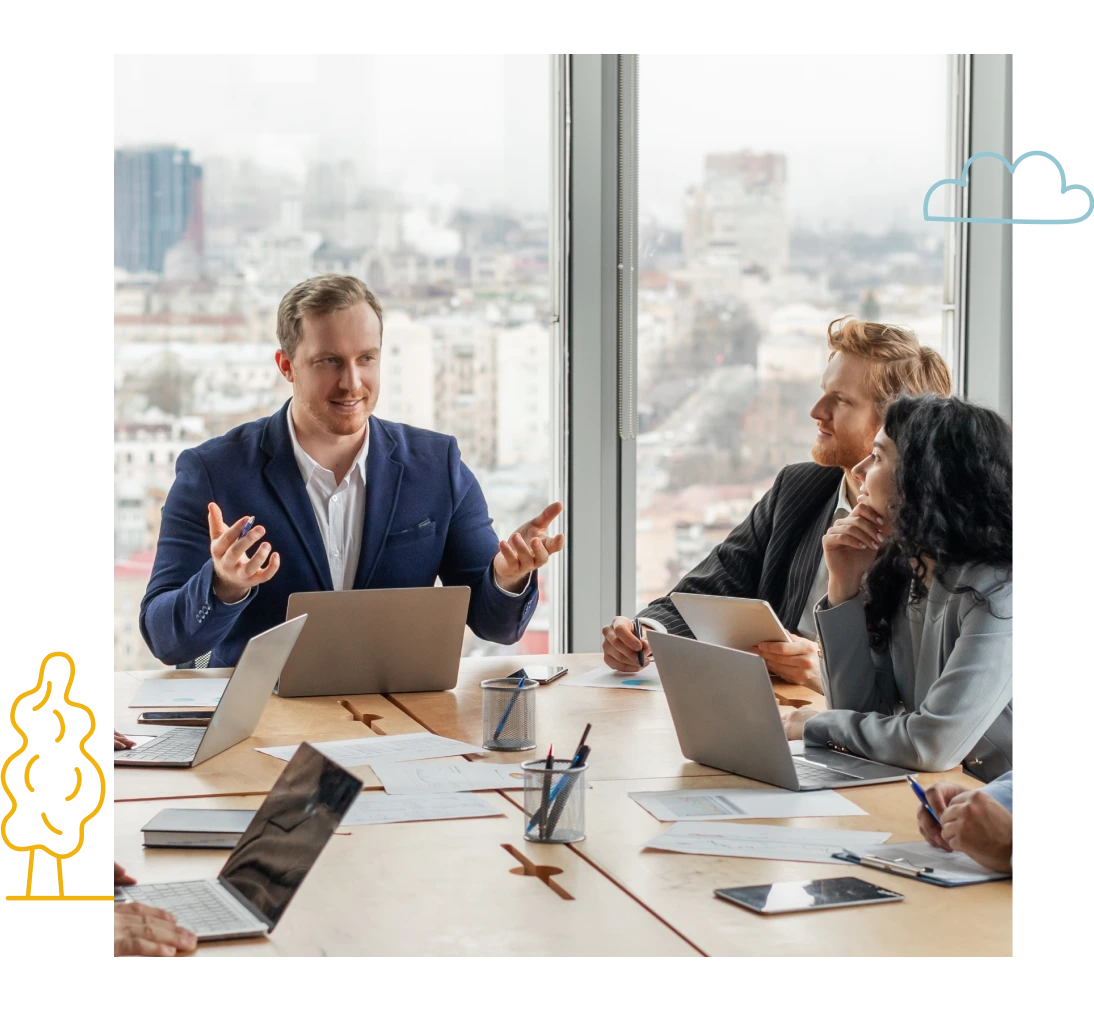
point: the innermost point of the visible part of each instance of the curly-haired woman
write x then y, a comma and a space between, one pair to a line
916, 626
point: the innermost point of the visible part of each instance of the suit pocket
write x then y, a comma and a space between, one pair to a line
421, 531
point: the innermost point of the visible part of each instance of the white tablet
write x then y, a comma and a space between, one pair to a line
736, 622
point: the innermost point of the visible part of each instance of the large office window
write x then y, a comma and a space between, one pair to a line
237, 177
775, 195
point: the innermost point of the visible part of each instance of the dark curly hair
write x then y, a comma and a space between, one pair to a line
953, 481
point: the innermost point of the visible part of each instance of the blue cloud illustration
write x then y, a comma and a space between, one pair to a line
1012, 167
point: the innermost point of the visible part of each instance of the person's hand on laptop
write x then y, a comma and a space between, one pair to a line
121, 877
621, 645
141, 930
797, 662
794, 721
122, 742
526, 550
234, 572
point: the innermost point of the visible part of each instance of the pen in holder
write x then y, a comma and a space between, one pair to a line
565, 801
509, 714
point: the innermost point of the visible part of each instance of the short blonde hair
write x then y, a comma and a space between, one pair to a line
896, 363
318, 295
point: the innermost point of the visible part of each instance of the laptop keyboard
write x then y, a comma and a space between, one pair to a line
175, 746
814, 773
196, 906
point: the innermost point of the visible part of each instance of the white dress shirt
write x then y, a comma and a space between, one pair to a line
339, 508
807, 626
340, 511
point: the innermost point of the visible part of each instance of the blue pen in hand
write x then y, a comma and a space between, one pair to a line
247, 527
922, 797
508, 710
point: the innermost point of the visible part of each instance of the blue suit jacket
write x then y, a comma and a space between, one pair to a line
425, 516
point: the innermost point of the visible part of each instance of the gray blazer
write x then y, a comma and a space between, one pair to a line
950, 705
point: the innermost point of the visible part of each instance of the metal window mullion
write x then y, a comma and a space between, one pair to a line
602, 223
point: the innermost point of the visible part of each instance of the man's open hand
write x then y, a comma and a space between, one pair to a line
526, 550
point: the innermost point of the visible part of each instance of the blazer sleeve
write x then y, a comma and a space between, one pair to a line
181, 618
469, 550
970, 693
732, 569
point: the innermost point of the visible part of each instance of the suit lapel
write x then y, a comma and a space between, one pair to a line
283, 475
383, 476
806, 560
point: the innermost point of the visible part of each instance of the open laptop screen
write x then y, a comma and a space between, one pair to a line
289, 831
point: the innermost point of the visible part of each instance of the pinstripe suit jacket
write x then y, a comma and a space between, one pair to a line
773, 554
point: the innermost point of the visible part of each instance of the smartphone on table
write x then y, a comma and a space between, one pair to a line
199, 718
799, 896
541, 673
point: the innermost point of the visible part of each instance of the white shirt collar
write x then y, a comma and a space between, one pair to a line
308, 465
843, 502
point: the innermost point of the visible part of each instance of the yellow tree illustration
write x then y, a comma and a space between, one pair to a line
43, 696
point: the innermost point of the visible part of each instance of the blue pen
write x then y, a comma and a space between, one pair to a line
505, 716
247, 527
922, 797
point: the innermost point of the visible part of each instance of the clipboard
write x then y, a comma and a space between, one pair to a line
929, 875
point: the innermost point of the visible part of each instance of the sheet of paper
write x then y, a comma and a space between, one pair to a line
404, 779
955, 866
380, 808
740, 804
180, 692
605, 678
797, 747
357, 752
764, 841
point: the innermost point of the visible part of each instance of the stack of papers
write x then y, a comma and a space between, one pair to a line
358, 752
738, 804
764, 841
404, 779
605, 678
379, 808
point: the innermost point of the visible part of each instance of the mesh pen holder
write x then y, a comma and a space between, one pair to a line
565, 800
509, 714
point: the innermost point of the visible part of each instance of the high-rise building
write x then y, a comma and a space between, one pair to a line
157, 204
736, 221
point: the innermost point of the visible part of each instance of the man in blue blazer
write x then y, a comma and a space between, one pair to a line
323, 495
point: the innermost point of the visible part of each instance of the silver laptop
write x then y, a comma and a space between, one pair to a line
726, 716
237, 714
264, 871
377, 641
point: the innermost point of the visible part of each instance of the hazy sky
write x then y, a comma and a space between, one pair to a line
864, 136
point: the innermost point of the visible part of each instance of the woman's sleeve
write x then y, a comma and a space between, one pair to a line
968, 696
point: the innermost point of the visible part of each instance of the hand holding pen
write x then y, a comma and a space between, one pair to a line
625, 646
234, 571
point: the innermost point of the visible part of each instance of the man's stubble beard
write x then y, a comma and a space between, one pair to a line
838, 454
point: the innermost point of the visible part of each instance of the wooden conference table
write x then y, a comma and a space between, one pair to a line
474, 887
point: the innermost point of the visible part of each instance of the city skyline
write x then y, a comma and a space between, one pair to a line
883, 144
